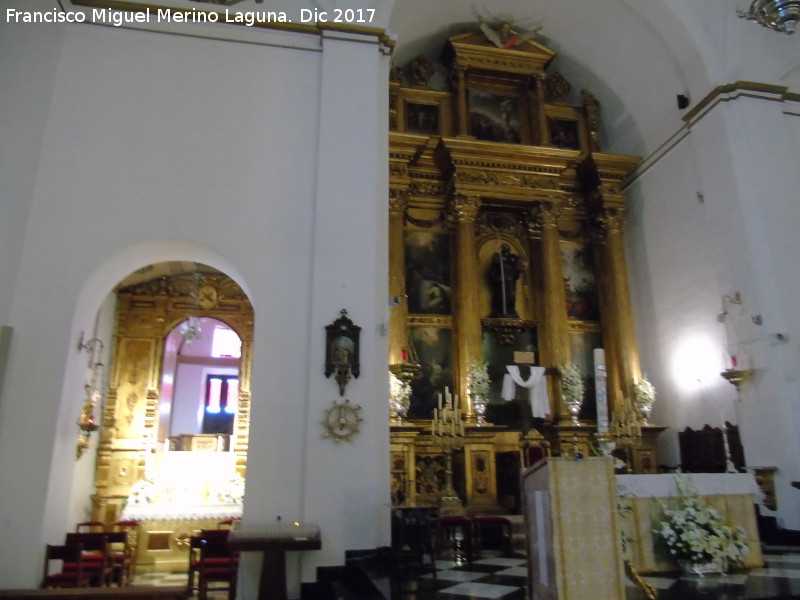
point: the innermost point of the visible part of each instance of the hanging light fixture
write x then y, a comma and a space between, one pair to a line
780, 15
190, 328
87, 422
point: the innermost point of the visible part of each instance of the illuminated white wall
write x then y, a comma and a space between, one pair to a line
710, 219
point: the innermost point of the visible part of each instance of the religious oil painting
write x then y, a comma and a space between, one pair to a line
580, 286
564, 133
434, 349
428, 273
582, 345
497, 356
494, 118
422, 118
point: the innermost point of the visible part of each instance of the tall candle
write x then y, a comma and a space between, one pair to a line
601, 393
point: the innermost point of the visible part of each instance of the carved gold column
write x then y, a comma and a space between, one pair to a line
541, 113
463, 113
398, 315
554, 327
467, 320
611, 221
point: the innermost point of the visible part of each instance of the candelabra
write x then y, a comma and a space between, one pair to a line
447, 429
625, 431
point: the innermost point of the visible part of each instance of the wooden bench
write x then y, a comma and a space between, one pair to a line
172, 592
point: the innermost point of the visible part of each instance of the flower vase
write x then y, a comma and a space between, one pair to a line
644, 408
574, 407
479, 404
689, 567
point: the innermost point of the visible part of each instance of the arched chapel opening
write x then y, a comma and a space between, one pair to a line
173, 446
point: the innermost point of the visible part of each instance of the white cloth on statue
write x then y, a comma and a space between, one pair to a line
536, 385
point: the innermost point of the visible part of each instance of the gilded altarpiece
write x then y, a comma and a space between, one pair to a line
146, 313
505, 234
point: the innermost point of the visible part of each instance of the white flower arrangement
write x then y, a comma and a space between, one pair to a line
644, 394
143, 491
478, 380
572, 385
233, 490
697, 533
399, 391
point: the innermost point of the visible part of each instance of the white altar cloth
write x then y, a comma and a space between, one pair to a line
706, 484
180, 512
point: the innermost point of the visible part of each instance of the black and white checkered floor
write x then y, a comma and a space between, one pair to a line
504, 578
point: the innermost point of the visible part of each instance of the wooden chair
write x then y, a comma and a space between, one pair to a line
227, 523
96, 558
90, 527
216, 563
217, 537
412, 542
72, 573
493, 532
456, 533
131, 531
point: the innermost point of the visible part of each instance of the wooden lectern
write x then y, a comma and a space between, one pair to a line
274, 541
571, 530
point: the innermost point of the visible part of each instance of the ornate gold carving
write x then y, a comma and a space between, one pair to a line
531, 181
398, 201
420, 70
592, 108
491, 223
506, 330
546, 214
558, 87
480, 473
430, 321
465, 208
342, 420
426, 188
131, 401
611, 220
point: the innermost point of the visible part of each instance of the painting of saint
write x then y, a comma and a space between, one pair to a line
428, 273
422, 118
494, 118
577, 263
434, 348
564, 134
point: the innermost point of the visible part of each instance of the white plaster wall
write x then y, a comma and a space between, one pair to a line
687, 252
28, 59
145, 138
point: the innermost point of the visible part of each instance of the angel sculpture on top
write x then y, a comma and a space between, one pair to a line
505, 37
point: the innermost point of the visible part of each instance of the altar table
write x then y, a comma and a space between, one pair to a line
732, 494
274, 541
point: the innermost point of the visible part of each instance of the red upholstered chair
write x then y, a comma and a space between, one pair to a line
90, 527
493, 532
456, 533
227, 523
215, 563
96, 558
71, 573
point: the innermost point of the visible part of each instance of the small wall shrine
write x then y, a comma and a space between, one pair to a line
506, 251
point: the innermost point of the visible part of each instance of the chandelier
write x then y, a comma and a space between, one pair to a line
780, 15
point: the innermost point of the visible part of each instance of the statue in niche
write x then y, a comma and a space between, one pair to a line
503, 274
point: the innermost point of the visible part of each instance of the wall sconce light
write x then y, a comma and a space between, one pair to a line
92, 396
779, 15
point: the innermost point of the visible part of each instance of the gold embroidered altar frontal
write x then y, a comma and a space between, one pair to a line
572, 530
641, 498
